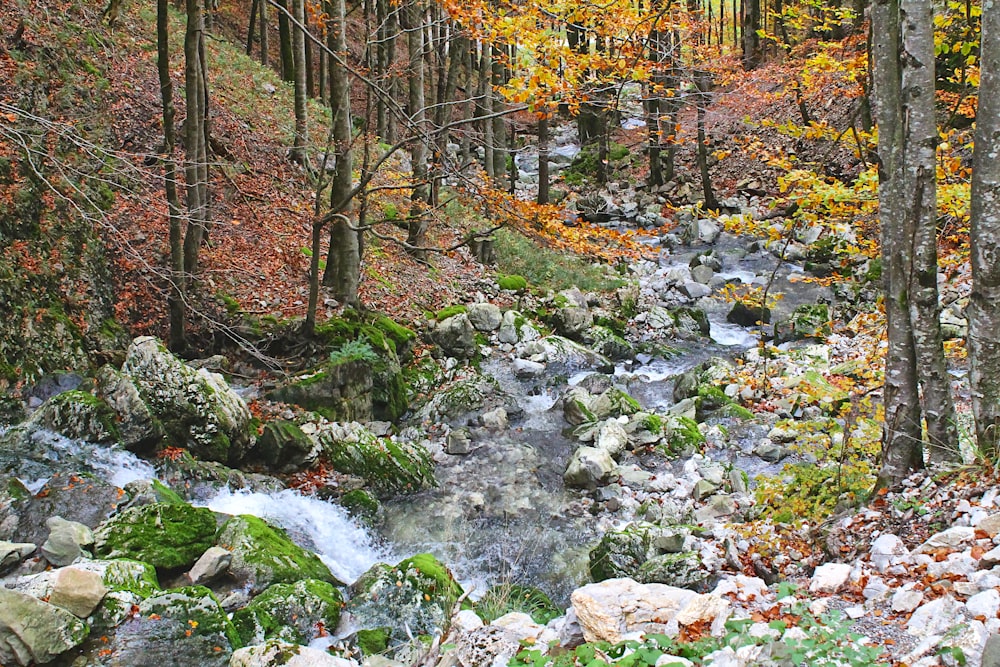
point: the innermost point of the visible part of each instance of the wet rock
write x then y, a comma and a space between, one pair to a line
771, 452
35, 632
264, 555
212, 563
612, 438
508, 327
702, 274
296, 613
388, 465
747, 315
485, 317
525, 368
459, 442
806, 321
695, 290
66, 542
573, 322
197, 408
283, 447
79, 415
495, 419
608, 343
703, 488
138, 428
165, 535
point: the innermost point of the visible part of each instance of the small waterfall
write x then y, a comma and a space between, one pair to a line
346, 548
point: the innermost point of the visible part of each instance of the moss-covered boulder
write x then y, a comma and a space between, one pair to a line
387, 465
416, 596
197, 409
35, 632
296, 613
138, 428
340, 390
362, 505
456, 337
264, 555
165, 535
683, 570
283, 447
606, 342
620, 553
181, 626
580, 406
648, 553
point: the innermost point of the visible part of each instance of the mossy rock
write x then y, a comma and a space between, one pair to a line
449, 311
415, 596
264, 555
505, 598
283, 446
79, 415
806, 321
681, 436
620, 553
340, 390
512, 283
180, 626
387, 466
683, 570
167, 536
608, 343
362, 505
296, 613
374, 641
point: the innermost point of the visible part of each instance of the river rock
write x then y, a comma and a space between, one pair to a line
495, 419
138, 428
748, 315
165, 535
212, 563
695, 290
616, 608
283, 447
589, 468
297, 613
525, 368
606, 342
66, 541
416, 596
340, 390
458, 442
79, 415
181, 626
702, 274
806, 321
456, 337
32, 631
485, 317
573, 321
830, 577
12, 553
77, 591
508, 327
197, 408
264, 555
275, 653
612, 438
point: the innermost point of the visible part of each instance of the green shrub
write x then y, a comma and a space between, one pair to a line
354, 350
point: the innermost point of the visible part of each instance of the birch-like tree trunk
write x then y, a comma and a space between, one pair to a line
195, 140
919, 184
301, 139
984, 303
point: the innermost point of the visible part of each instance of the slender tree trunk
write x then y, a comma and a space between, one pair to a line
343, 264
543, 159
196, 145
308, 59
485, 107
919, 179
902, 444
984, 303
301, 139
285, 39
263, 34
702, 80
411, 20
499, 123
175, 297
752, 54
253, 25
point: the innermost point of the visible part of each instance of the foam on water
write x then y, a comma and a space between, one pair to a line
346, 548
729, 335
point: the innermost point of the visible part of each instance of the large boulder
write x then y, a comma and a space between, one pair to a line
588, 468
414, 597
611, 609
35, 632
165, 535
77, 414
264, 555
340, 390
138, 428
277, 653
197, 409
806, 321
296, 613
283, 447
648, 553
485, 317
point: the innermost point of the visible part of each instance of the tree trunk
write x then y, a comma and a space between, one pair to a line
175, 297
752, 54
263, 34
499, 123
343, 264
543, 159
485, 107
196, 144
984, 303
301, 140
285, 38
920, 142
253, 25
702, 80
902, 444
411, 20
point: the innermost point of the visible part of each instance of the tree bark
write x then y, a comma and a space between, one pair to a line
253, 25
919, 179
411, 20
984, 303
263, 34
175, 297
543, 159
703, 81
285, 39
752, 54
299, 151
196, 144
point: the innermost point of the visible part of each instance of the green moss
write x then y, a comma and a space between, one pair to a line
617, 151
431, 577
402, 336
231, 305
505, 598
124, 574
167, 536
653, 423
386, 465
295, 613
735, 410
513, 283
374, 641
264, 555
449, 311
165, 494
197, 609
360, 503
